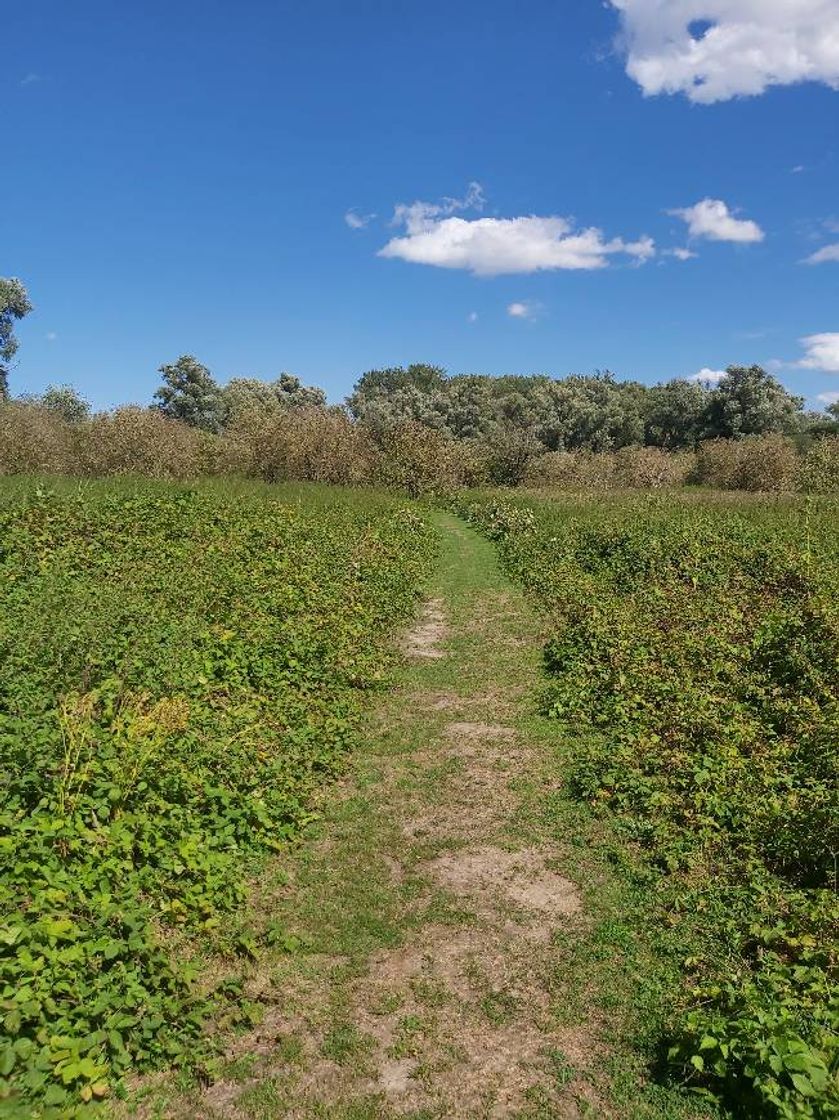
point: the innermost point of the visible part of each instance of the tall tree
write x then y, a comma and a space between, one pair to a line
675, 414
749, 401
189, 393
14, 304
377, 390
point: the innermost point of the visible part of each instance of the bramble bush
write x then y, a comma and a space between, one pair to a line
180, 670
313, 443
695, 662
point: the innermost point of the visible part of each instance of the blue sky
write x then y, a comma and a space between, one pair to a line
178, 177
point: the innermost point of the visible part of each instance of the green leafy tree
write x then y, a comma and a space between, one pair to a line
594, 413
468, 405
749, 401
14, 304
66, 402
250, 394
389, 396
189, 393
675, 414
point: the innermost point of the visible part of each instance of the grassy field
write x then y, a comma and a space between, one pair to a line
694, 658
582, 858
180, 671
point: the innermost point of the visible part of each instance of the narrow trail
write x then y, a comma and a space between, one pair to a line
430, 905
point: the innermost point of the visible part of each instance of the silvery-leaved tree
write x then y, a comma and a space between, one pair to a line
250, 394
189, 393
14, 304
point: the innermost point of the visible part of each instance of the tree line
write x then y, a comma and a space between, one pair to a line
511, 419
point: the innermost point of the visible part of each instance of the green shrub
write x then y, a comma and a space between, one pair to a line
179, 672
695, 661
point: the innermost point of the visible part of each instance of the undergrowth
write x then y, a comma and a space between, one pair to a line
180, 669
695, 660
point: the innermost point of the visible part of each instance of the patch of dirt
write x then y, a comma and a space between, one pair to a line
423, 640
465, 730
488, 874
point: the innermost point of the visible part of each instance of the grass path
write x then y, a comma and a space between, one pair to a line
459, 947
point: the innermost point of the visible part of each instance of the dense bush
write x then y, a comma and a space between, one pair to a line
138, 441
650, 468
418, 460
305, 444
820, 468
179, 671
33, 439
695, 661
762, 463
311, 443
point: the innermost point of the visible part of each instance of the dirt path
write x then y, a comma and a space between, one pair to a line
427, 975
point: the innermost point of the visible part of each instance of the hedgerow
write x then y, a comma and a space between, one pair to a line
694, 663
179, 671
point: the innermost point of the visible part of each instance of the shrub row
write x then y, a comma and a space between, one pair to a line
325, 445
694, 664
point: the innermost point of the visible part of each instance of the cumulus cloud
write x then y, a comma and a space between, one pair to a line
828, 398
681, 254
712, 376
524, 309
827, 253
712, 50
711, 218
494, 246
358, 221
821, 351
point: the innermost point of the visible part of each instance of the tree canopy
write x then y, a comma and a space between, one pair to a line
245, 394
593, 412
14, 304
189, 393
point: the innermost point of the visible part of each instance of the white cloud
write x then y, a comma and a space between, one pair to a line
799, 167
681, 254
30, 79
711, 376
828, 398
827, 253
472, 317
711, 218
712, 50
524, 309
358, 221
51, 336
821, 351
493, 246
